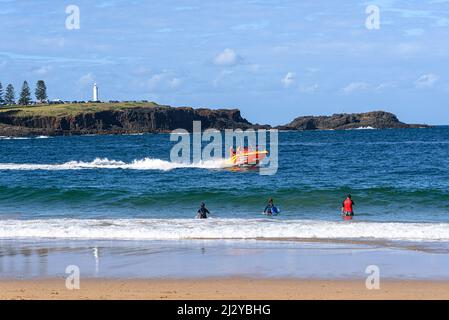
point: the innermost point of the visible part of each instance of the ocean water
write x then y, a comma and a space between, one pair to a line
125, 187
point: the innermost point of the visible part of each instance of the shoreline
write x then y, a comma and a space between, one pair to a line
222, 289
194, 259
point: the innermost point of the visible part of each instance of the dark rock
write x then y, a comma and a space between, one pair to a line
374, 119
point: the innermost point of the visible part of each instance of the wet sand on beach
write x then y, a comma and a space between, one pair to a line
222, 289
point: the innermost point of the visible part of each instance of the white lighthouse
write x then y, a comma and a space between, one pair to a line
95, 93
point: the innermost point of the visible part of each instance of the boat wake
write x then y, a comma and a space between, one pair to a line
104, 163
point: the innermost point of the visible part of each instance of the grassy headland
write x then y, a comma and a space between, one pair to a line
111, 118
73, 109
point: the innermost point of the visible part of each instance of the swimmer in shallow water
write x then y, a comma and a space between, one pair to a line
202, 211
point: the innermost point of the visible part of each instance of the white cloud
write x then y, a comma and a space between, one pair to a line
87, 79
289, 79
385, 85
251, 26
164, 80
308, 89
228, 57
156, 80
364, 86
42, 71
355, 86
426, 80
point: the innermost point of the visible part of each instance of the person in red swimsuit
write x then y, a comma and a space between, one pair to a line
347, 206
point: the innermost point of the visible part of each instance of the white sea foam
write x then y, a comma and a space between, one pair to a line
363, 128
13, 138
178, 229
23, 138
99, 163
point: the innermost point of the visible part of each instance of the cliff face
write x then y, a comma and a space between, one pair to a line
132, 120
375, 119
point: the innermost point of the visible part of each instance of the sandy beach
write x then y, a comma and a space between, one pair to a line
219, 270
222, 289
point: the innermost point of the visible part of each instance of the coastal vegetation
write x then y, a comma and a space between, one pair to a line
73, 109
8, 98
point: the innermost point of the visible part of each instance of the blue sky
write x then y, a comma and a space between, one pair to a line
273, 59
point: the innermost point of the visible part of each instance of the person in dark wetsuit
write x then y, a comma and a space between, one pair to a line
269, 208
347, 206
202, 211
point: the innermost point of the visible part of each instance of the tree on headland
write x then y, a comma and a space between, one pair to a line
41, 91
10, 96
2, 101
25, 95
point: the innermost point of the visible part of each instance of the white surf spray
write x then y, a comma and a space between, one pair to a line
104, 163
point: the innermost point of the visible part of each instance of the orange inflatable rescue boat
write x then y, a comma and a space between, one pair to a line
246, 157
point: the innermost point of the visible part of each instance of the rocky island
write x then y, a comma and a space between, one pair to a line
127, 118
345, 121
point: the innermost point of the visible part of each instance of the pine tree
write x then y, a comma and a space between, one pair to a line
41, 91
2, 101
10, 96
25, 95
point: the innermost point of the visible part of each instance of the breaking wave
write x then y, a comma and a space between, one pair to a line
178, 229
